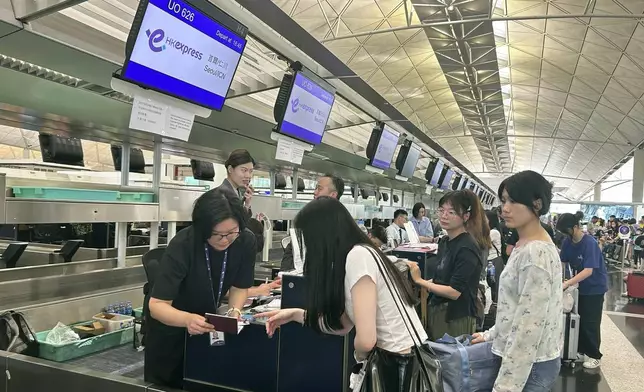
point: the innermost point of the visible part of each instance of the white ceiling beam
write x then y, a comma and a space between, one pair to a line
30, 10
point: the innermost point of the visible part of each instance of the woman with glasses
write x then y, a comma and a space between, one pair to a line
203, 262
453, 291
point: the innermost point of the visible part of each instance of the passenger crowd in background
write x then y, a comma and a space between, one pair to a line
607, 233
505, 258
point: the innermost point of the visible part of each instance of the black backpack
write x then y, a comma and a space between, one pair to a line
16, 335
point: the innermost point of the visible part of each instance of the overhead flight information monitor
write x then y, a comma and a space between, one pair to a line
412, 160
447, 180
386, 148
437, 174
308, 109
180, 50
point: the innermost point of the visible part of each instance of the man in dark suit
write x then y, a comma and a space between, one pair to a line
328, 185
239, 167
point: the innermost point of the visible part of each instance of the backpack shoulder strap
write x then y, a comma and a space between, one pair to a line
24, 328
9, 331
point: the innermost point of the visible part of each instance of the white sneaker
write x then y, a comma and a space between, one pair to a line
582, 358
592, 363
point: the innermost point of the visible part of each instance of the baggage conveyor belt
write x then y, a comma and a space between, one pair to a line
120, 361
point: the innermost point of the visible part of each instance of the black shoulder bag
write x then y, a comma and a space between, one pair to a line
429, 377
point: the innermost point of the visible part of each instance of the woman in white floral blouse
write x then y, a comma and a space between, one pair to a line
529, 324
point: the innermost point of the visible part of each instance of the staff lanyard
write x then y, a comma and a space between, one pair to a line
216, 300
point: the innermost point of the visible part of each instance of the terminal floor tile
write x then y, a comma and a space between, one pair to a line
581, 380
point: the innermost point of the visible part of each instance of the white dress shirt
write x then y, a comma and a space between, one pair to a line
396, 235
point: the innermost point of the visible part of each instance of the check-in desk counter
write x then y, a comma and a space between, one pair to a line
296, 359
426, 259
427, 262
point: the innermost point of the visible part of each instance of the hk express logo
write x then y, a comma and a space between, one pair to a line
157, 42
154, 38
295, 105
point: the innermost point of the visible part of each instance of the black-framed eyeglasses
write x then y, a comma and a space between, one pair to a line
229, 236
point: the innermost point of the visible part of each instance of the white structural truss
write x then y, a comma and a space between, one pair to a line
553, 86
570, 74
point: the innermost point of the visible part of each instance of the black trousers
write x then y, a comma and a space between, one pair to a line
590, 314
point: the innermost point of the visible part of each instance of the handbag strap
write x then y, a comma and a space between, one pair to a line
396, 297
498, 253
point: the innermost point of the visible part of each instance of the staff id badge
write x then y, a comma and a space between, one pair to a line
217, 338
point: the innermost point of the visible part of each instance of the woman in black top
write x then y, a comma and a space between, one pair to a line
202, 262
454, 288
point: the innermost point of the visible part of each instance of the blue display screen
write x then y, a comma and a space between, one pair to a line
412, 160
184, 53
307, 111
464, 183
386, 148
437, 173
447, 179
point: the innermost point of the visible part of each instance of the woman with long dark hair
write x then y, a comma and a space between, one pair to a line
529, 330
453, 291
346, 289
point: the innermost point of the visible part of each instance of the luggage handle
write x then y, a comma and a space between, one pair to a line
463, 340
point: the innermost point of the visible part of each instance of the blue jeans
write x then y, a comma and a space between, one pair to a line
543, 376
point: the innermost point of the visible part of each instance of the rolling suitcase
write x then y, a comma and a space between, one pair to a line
571, 338
635, 285
571, 330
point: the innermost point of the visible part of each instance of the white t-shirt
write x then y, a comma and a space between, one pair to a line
391, 332
495, 236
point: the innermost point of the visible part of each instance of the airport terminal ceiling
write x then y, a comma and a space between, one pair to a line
570, 86
502, 86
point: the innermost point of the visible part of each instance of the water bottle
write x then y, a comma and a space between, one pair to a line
128, 308
491, 271
362, 226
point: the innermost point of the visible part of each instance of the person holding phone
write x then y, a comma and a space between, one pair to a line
239, 168
203, 262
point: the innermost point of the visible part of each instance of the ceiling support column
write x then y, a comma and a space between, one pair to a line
638, 182
598, 192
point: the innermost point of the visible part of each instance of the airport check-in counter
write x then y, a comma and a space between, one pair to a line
426, 259
295, 359
427, 262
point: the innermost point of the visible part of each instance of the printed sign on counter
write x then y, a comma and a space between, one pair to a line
155, 117
290, 151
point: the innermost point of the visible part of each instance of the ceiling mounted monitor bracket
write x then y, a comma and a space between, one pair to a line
401, 178
295, 66
133, 90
